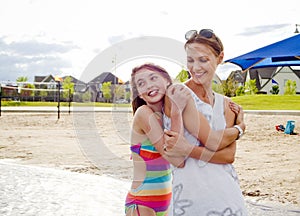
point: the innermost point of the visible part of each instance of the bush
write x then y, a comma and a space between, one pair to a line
240, 91
290, 87
250, 87
274, 90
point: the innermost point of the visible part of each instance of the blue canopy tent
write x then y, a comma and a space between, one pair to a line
282, 53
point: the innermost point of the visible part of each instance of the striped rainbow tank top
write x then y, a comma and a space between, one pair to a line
156, 190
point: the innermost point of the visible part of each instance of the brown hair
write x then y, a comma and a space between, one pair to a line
136, 100
214, 43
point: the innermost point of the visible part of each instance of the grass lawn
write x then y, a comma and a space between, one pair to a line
249, 102
268, 102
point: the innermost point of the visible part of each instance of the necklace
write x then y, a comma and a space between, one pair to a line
211, 99
206, 96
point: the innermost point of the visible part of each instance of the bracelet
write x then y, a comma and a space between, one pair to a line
241, 132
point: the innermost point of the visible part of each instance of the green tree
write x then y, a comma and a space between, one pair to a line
106, 89
22, 79
217, 87
25, 92
182, 76
290, 87
128, 95
229, 87
120, 91
68, 87
86, 96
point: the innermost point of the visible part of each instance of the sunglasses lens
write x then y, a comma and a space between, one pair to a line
207, 33
190, 34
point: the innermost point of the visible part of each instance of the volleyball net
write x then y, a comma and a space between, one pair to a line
34, 91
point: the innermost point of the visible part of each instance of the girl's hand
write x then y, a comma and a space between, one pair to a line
234, 107
239, 113
179, 95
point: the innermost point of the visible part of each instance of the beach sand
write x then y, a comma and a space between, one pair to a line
267, 161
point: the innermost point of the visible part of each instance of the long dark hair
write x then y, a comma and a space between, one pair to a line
136, 100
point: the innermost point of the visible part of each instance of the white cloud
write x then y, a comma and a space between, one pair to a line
92, 26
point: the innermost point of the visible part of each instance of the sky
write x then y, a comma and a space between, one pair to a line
63, 37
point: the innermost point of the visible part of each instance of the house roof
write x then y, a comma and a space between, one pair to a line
264, 73
75, 81
297, 72
105, 77
237, 76
43, 78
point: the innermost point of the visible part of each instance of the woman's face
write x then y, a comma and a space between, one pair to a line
151, 85
202, 63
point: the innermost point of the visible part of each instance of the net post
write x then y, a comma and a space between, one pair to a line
0, 98
69, 101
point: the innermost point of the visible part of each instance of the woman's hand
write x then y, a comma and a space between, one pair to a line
176, 145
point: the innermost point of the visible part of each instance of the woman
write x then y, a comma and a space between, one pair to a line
208, 184
151, 189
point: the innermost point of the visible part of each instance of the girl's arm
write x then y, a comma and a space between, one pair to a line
151, 124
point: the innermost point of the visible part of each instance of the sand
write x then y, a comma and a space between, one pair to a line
267, 161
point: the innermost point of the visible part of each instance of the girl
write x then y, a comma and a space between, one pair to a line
151, 189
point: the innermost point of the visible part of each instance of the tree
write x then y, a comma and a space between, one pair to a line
106, 89
25, 92
119, 91
22, 79
182, 76
69, 86
217, 87
86, 96
127, 95
229, 87
290, 87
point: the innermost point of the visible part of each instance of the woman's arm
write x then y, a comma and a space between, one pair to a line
148, 122
224, 156
198, 126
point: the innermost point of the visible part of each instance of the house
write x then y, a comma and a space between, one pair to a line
238, 76
44, 82
9, 91
79, 86
267, 77
46, 88
95, 85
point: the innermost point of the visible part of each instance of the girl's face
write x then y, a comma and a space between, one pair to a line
151, 86
202, 63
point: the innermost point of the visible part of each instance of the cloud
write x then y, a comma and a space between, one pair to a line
115, 39
37, 48
225, 69
262, 29
30, 58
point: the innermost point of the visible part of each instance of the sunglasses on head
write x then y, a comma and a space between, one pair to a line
207, 33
